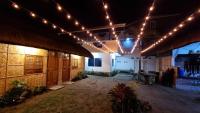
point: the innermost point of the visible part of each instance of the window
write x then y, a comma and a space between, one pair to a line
97, 62
90, 62
113, 62
33, 64
74, 63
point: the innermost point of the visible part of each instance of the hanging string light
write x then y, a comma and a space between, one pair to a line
180, 26
78, 24
105, 6
54, 26
141, 33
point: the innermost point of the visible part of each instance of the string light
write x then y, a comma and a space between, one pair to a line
181, 25
33, 14
68, 16
147, 18
76, 23
190, 18
107, 17
62, 30
151, 8
105, 6
15, 5
83, 28
59, 7
55, 26
44, 21
140, 35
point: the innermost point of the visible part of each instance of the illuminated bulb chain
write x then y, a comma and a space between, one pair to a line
141, 33
76, 23
174, 30
105, 5
54, 26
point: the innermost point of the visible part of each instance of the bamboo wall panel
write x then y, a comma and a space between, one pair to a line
13, 71
2, 86
15, 49
3, 47
2, 72
3, 58
12, 66
16, 59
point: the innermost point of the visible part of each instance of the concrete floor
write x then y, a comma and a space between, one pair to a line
91, 96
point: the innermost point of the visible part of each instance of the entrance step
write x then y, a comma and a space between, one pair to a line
57, 87
68, 83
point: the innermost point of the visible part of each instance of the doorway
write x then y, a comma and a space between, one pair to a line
52, 69
66, 68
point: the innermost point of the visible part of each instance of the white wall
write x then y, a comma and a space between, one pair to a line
149, 64
124, 63
106, 63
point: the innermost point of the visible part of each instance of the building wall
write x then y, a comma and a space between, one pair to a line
165, 63
81, 65
106, 63
125, 63
12, 59
148, 64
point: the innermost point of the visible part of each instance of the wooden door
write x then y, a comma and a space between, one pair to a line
66, 69
52, 69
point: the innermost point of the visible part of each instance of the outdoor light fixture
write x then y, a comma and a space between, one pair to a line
68, 16
147, 18
44, 21
59, 7
151, 8
54, 26
190, 18
32, 14
143, 27
14, 5
110, 24
107, 17
83, 28
105, 6
76, 23
181, 25
62, 30
175, 30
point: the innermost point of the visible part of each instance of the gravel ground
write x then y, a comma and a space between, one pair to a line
90, 96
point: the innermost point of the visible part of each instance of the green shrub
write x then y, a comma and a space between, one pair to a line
103, 74
39, 90
79, 76
124, 100
113, 73
16, 94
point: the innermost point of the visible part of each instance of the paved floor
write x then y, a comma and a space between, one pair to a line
188, 85
91, 96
